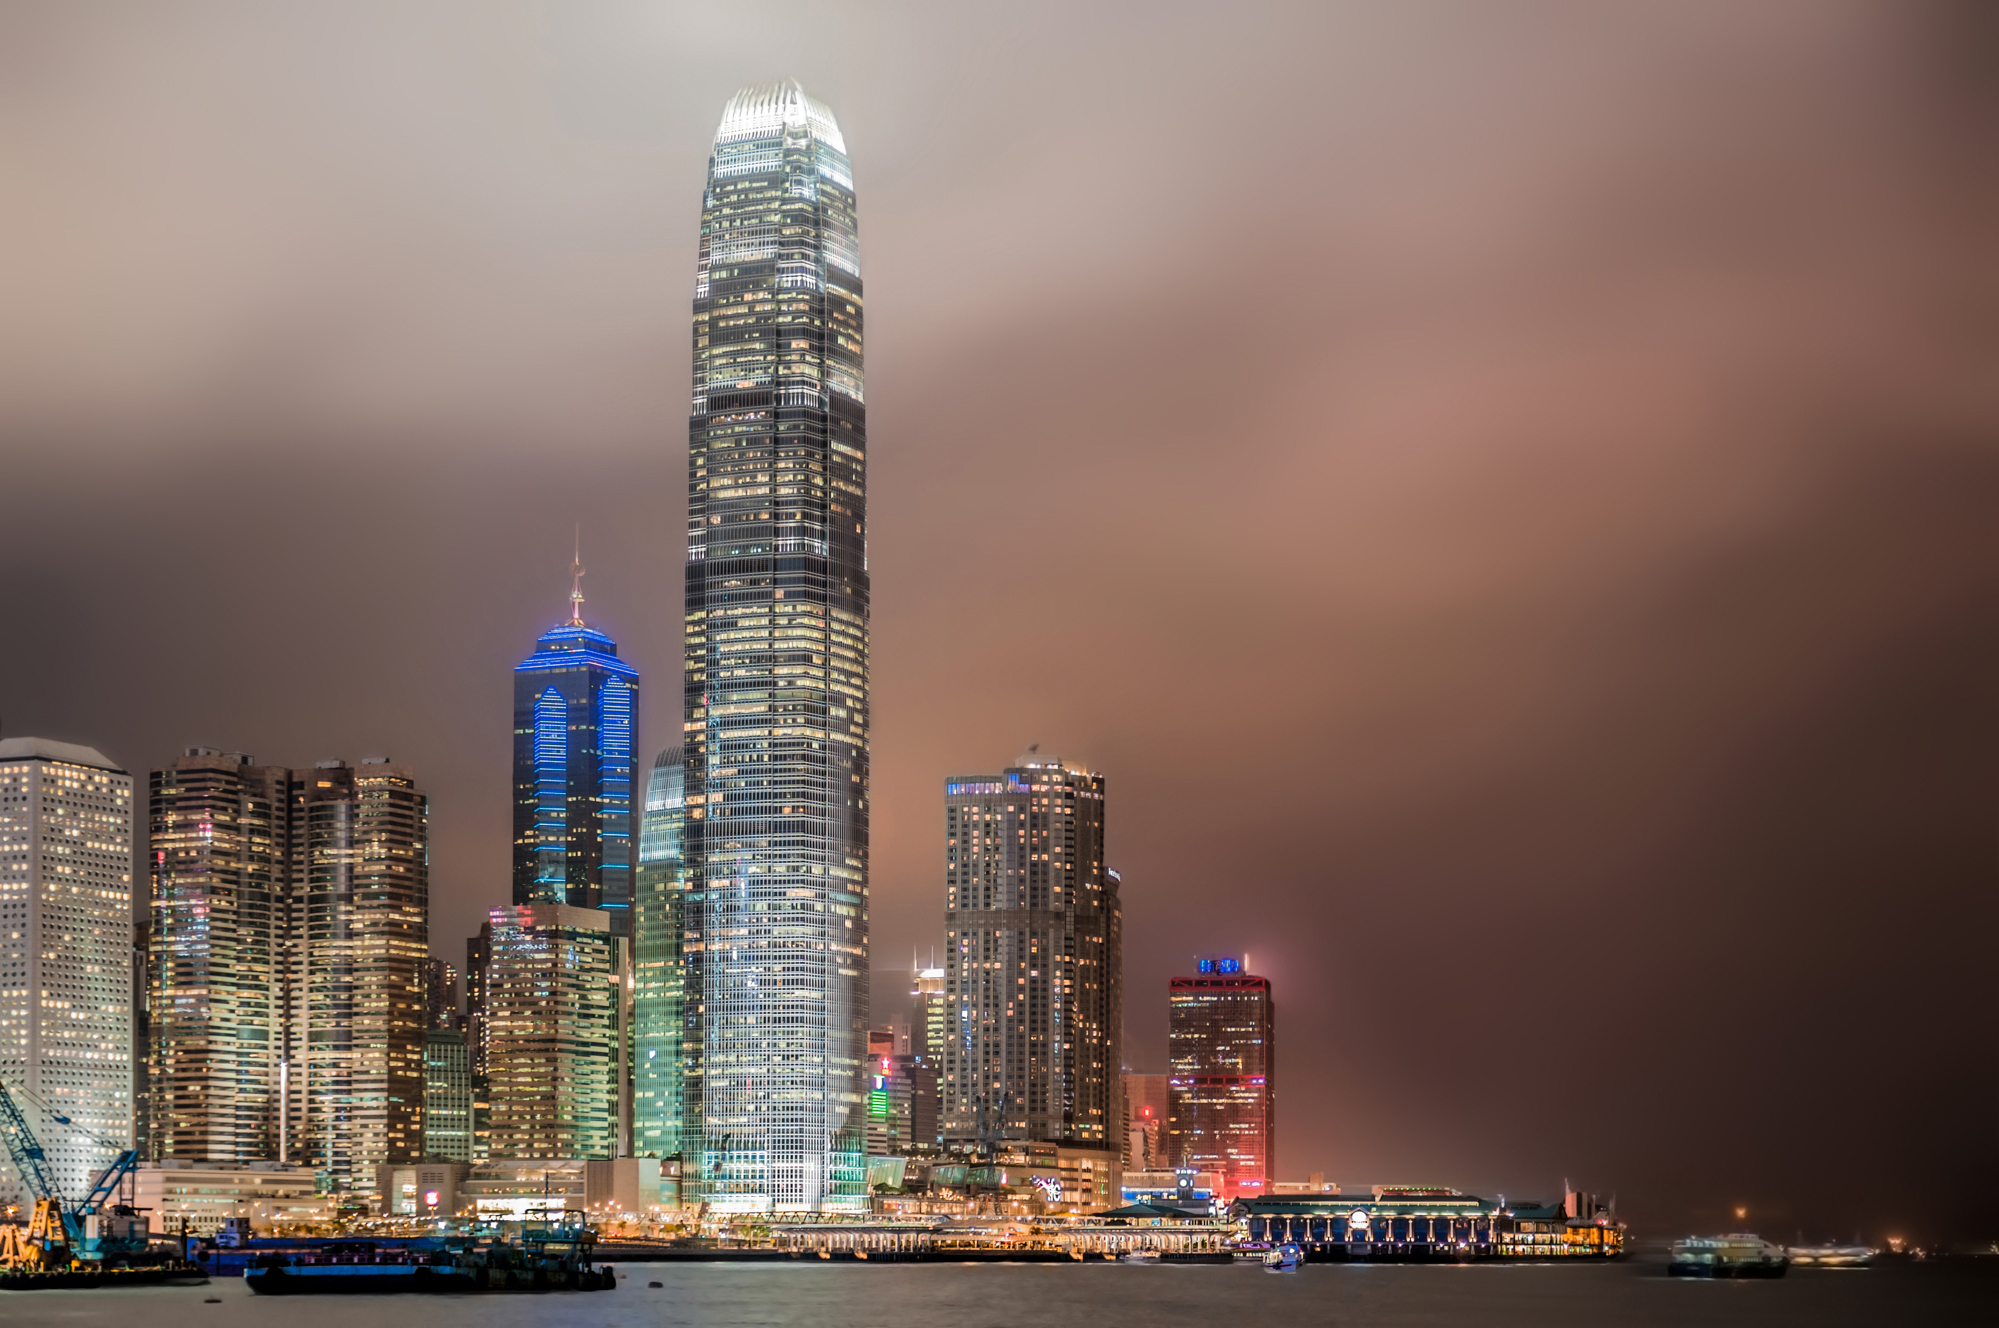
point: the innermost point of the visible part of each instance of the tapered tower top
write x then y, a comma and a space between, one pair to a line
764, 109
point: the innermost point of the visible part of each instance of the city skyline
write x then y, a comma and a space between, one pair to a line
1575, 560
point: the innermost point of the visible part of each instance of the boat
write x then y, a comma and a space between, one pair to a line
542, 1261
1139, 1256
1283, 1259
1832, 1256
1739, 1254
168, 1272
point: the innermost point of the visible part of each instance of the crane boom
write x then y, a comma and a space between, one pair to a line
25, 1150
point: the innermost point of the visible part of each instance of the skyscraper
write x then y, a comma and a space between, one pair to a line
220, 862
1146, 1107
659, 1012
1033, 960
557, 1052
447, 1096
1223, 1089
576, 708
361, 884
776, 669
65, 952
929, 1016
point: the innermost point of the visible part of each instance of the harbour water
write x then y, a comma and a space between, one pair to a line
1633, 1294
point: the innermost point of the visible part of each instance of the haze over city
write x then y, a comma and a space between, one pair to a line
1504, 500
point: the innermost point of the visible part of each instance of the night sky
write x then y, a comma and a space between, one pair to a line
1506, 495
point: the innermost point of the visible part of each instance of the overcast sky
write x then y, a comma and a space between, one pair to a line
1505, 494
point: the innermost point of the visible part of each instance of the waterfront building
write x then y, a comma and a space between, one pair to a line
1163, 1187
447, 1096
1033, 960
776, 668
557, 1039
1221, 1035
219, 858
1146, 1106
576, 707
65, 953
930, 1016
207, 1193
659, 1013
360, 844
423, 1189
1426, 1223
604, 1188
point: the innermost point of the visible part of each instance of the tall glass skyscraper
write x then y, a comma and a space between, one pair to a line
659, 1010
777, 668
576, 707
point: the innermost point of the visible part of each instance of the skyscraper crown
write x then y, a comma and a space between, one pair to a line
764, 109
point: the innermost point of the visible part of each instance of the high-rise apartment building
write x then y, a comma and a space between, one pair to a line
576, 708
447, 1096
289, 965
221, 958
360, 841
1034, 960
659, 1010
1223, 1105
65, 953
557, 1044
776, 668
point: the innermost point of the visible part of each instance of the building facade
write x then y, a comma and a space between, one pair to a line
902, 1106
65, 954
557, 1044
447, 1096
576, 707
929, 1016
1146, 1107
219, 859
659, 975
1221, 1035
1034, 960
776, 669
360, 841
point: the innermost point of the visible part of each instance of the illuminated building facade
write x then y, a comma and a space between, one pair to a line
1146, 1106
902, 1106
931, 1016
776, 670
219, 859
576, 707
659, 1010
556, 1040
447, 1096
360, 844
65, 947
1221, 1035
1034, 961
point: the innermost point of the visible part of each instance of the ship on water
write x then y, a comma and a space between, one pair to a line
1832, 1256
1739, 1254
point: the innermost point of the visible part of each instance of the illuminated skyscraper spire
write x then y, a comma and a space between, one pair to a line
576, 584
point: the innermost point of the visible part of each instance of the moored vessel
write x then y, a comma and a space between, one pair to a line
1831, 1256
1739, 1254
1283, 1259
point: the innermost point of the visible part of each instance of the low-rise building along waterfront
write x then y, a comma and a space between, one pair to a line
1414, 1224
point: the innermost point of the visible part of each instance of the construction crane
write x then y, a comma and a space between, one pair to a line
58, 1232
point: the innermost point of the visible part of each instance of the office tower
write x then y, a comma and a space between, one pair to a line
776, 668
658, 973
557, 1045
65, 954
1033, 963
361, 924
220, 862
928, 1016
902, 1106
1146, 1107
440, 995
1223, 1106
576, 708
478, 954
447, 1096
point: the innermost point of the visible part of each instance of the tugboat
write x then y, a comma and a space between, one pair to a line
1283, 1259
1740, 1254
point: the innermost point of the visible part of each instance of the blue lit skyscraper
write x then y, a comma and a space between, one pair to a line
776, 669
575, 717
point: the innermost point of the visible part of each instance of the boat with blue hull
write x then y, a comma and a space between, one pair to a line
539, 1262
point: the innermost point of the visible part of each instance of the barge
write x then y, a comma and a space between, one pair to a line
541, 1261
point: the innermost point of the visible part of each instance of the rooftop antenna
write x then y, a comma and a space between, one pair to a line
576, 583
